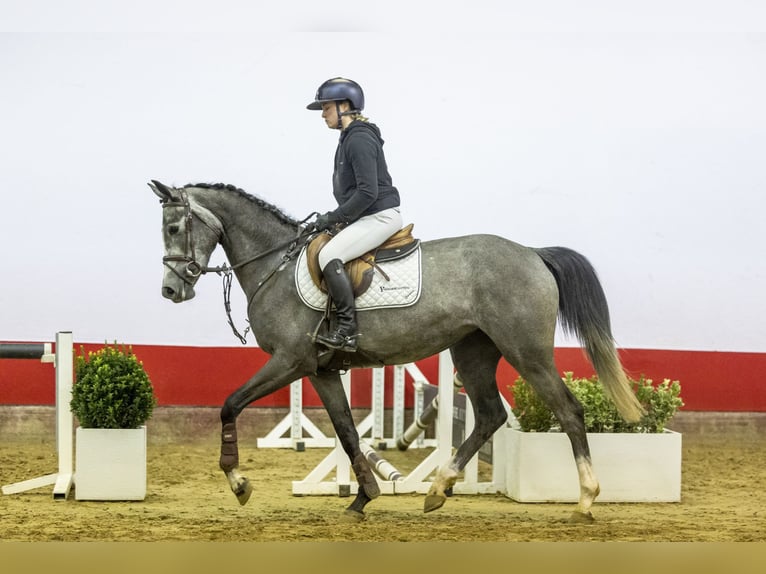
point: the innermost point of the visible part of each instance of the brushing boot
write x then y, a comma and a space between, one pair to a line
343, 338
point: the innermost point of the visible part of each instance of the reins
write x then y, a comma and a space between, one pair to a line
226, 272
194, 269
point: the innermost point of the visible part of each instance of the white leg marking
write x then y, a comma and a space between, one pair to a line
236, 480
589, 487
446, 477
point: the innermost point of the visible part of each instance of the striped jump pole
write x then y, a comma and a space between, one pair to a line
419, 425
385, 469
63, 361
422, 422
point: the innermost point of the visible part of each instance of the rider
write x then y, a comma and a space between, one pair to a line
368, 203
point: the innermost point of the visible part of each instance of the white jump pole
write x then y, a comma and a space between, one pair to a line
62, 480
299, 426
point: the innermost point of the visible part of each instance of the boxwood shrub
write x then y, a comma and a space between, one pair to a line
111, 390
660, 401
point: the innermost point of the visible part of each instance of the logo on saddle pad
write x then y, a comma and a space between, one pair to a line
388, 276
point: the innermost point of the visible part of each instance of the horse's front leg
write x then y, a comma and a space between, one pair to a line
274, 375
330, 390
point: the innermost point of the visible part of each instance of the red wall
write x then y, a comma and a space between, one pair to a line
204, 376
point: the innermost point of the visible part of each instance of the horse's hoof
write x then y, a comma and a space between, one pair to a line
582, 517
243, 493
433, 502
352, 516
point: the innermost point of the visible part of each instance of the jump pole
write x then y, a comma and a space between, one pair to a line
63, 362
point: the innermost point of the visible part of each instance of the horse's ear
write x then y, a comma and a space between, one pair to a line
161, 190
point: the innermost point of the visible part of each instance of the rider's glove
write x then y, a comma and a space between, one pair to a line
327, 220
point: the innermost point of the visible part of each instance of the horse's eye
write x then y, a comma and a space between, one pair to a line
173, 229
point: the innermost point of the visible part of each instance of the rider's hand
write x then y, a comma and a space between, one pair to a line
326, 220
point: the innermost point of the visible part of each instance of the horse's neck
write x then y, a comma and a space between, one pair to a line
248, 228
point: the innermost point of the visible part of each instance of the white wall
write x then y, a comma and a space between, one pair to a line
636, 135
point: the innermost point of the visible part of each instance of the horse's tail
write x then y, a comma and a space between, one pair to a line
583, 311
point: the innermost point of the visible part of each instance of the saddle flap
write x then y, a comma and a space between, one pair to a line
361, 269
312, 258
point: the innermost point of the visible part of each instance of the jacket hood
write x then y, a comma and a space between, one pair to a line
357, 125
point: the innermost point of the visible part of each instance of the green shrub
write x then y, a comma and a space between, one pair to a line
112, 389
660, 402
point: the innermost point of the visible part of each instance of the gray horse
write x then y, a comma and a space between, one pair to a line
483, 297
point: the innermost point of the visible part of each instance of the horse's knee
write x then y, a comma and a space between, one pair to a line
228, 411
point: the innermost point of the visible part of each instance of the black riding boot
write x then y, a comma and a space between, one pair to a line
338, 284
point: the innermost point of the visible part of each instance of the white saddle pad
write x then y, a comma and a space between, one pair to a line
401, 290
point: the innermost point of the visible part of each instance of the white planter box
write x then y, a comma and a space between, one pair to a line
630, 467
110, 464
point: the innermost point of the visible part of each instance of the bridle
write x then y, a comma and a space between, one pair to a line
193, 269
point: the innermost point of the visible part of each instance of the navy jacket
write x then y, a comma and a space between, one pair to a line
361, 182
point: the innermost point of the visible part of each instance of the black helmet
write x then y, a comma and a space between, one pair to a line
336, 90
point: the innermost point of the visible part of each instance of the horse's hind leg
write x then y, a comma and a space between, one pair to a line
547, 383
330, 390
475, 358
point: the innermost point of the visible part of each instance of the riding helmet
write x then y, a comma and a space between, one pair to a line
336, 90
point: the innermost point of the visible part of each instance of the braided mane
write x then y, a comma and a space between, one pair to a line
265, 205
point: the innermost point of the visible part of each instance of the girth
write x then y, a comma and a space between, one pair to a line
361, 269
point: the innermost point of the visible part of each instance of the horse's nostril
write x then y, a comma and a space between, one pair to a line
168, 292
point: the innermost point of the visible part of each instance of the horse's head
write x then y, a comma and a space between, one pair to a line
190, 233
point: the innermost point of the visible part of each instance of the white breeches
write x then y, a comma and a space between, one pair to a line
363, 235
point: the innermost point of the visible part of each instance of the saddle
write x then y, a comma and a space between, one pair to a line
361, 269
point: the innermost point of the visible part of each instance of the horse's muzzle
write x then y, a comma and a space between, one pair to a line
178, 296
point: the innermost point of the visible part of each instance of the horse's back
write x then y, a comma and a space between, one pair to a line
484, 257
489, 274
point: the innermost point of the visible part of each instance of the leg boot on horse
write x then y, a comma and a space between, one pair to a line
344, 337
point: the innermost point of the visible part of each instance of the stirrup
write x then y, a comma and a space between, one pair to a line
339, 342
